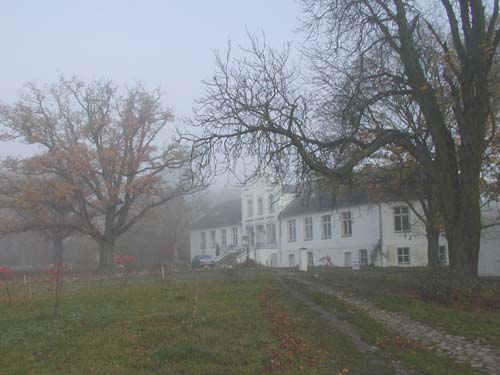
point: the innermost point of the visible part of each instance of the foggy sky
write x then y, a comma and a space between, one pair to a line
165, 43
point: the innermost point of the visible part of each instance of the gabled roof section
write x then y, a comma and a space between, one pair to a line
322, 200
318, 201
224, 214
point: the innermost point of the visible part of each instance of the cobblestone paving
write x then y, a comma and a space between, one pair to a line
371, 353
479, 356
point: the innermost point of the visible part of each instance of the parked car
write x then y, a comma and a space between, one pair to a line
202, 261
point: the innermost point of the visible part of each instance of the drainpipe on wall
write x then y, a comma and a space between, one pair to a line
381, 234
280, 259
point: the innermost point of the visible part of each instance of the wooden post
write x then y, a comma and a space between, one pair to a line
30, 291
162, 272
195, 307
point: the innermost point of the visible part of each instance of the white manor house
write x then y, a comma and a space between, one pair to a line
277, 228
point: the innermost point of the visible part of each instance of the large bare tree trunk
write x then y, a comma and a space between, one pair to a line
463, 231
464, 250
57, 248
432, 234
462, 218
59, 266
106, 249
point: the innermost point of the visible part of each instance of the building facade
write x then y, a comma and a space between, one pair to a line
218, 232
276, 228
261, 205
352, 230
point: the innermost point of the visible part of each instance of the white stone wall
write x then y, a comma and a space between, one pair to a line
414, 239
489, 253
366, 233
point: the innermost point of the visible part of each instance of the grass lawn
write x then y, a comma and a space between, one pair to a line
243, 323
393, 289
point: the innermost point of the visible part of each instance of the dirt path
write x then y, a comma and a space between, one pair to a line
479, 356
372, 353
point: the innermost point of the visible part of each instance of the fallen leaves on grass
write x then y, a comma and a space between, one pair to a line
291, 350
399, 343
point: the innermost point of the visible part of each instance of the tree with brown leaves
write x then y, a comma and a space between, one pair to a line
102, 146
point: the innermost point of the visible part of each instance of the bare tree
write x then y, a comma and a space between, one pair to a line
364, 53
104, 146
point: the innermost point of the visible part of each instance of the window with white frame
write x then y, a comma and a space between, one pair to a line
260, 206
346, 224
212, 238
203, 240
403, 255
271, 232
235, 235
401, 219
259, 235
363, 257
251, 235
249, 208
443, 255
223, 239
308, 228
270, 203
292, 230
326, 226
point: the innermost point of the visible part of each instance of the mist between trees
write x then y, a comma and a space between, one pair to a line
151, 241
100, 170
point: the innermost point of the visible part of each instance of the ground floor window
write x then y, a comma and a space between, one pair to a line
251, 235
260, 235
363, 257
212, 238
223, 237
443, 255
203, 241
271, 232
291, 260
235, 236
403, 255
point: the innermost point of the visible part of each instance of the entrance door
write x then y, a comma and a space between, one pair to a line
310, 259
274, 260
348, 259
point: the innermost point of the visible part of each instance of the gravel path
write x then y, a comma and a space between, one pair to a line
479, 356
371, 353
